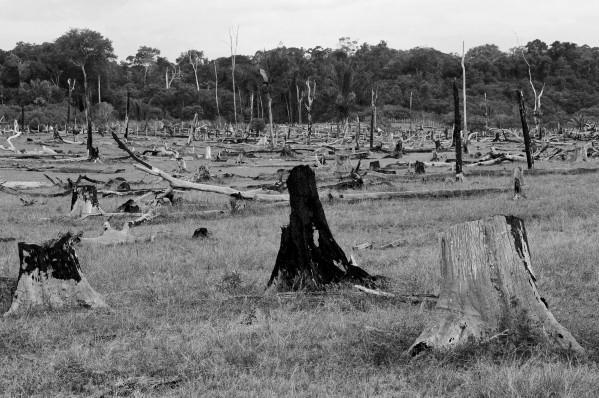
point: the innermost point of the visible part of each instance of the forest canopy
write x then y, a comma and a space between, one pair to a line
34, 81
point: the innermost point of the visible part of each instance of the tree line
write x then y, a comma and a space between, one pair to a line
80, 71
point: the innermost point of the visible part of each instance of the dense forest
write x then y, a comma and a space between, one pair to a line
38, 80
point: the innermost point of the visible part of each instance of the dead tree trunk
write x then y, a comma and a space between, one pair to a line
92, 151
308, 255
529, 159
457, 134
373, 97
127, 114
300, 98
310, 98
358, 132
50, 277
71, 84
518, 183
216, 91
488, 288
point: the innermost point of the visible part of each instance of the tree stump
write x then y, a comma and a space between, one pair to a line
489, 287
419, 167
50, 278
342, 164
309, 257
84, 200
398, 149
518, 183
7, 290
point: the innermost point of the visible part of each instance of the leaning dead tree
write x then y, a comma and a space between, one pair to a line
309, 257
488, 288
310, 98
529, 159
50, 278
457, 133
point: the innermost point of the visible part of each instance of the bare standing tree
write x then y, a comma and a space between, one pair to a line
175, 75
216, 90
233, 46
310, 97
536, 111
195, 60
266, 89
251, 106
374, 95
464, 90
300, 99
71, 83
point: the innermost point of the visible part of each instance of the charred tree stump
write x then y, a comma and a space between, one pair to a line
50, 278
419, 167
309, 257
527, 147
489, 287
398, 149
84, 201
457, 134
518, 183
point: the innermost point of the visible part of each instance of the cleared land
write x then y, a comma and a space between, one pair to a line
190, 317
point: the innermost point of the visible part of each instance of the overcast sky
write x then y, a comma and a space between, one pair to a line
174, 26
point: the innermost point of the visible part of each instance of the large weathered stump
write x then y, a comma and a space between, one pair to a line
50, 278
489, 287
84, 201
308, 256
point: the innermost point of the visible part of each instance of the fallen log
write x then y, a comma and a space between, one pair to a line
178, 183
436, 194
25, 184
488, 287
50, 278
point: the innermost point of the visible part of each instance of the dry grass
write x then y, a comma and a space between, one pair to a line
179, 325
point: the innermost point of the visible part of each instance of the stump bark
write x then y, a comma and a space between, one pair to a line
489, 287
309, 257
50, 278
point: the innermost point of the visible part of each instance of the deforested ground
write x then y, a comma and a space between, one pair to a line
190, 317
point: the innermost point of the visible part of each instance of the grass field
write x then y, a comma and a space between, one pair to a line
190, 317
